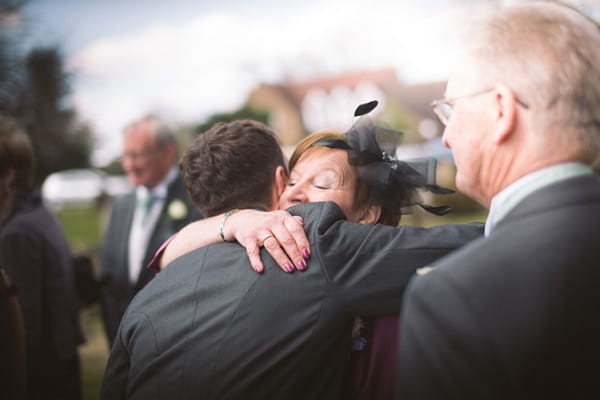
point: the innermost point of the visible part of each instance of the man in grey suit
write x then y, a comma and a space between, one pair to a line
210, 327
515, 315
143, 219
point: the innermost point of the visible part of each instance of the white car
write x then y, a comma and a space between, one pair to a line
81, 187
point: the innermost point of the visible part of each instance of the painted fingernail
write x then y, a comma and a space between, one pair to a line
301, 265
306, 253
289, 267
257, 269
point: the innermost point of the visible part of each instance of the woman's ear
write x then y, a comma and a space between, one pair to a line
370, 215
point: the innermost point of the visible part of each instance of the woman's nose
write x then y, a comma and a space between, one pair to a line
296, 194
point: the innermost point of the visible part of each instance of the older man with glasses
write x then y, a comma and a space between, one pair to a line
515, 314
143, 219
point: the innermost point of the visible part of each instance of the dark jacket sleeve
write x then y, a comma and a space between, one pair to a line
115, 287
369, 266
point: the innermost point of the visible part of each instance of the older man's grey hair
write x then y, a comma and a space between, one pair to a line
163, 133
549, 55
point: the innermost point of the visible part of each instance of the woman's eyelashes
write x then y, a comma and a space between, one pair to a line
325, 180
321, 186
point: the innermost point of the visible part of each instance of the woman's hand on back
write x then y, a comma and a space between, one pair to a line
279, 232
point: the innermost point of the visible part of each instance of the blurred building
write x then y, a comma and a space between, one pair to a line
297, 108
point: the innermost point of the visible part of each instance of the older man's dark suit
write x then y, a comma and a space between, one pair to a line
515, 315
209, 327
117, 290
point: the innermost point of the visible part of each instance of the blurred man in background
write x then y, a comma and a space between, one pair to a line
143, 219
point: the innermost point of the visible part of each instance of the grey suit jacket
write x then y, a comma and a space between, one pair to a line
514, 315
117, 290
209, 327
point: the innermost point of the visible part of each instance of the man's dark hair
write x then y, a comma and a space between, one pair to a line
232, 165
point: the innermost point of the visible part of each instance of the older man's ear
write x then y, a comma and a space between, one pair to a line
505, 114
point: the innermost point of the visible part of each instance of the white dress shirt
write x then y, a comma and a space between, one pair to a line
143, 225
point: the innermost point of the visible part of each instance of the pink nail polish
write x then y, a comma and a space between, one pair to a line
301, 265
289, 267
306, 253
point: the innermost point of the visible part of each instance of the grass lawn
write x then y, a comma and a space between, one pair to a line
94, 353
83, 228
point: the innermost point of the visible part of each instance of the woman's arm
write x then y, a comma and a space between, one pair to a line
280, 233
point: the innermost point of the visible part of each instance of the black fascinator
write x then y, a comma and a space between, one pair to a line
394, 184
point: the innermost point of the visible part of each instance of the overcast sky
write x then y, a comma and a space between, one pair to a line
187, 59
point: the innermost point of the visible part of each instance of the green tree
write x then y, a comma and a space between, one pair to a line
60, 141
33, 91
10, 63
114, 167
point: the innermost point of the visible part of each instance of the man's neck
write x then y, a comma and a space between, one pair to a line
516, 168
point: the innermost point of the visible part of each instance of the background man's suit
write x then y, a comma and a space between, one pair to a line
210, 327
515, 315
117, 289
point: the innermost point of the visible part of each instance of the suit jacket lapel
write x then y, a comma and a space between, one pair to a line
129, 204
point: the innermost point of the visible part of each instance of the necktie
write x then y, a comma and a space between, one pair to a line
147, 204
139, 236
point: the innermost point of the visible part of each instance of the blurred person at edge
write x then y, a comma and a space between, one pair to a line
515, 315
12, 334
143, 219
36, 256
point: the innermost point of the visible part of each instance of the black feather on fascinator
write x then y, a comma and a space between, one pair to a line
394, 184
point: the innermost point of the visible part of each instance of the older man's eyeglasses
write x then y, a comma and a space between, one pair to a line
137, 155
444, 108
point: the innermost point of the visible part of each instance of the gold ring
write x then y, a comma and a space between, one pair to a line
263, 240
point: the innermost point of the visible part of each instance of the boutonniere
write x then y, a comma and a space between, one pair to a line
177, 209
